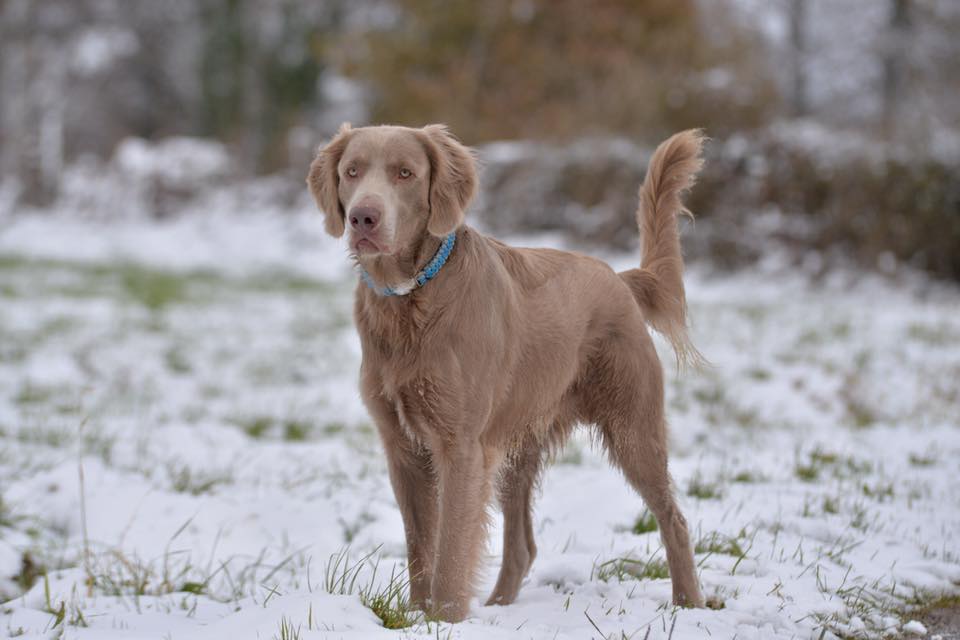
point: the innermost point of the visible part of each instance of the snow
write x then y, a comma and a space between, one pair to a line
915, 628
178, 160
201, 374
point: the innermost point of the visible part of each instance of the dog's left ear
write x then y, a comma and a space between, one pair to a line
324, 181
453, 179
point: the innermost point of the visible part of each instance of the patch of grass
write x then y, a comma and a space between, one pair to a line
719, 543
30, 572
819, 461
720, 409
287, 631
831, 505
859, 520
60, 613
53, 327
936, 335
927, 606
745, 477
922, 460
333, 428
185, 480
153, 289
33, 394
176, 361
703, 489
645, 523
389, 601
6, 516
753, 312
878, 490
709, 395
840, 329
256, 427
296, 430
807, 472
351, 529
622, 569
759, 374
290, 429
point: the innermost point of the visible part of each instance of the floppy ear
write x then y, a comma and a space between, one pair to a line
324, 181
453, 179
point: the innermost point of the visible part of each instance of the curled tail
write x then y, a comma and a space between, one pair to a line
658, 284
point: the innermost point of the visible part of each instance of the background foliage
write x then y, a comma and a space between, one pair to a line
867, 88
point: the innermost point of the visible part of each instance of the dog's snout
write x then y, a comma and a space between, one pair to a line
364, 218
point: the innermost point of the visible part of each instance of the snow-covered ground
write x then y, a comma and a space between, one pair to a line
183, 449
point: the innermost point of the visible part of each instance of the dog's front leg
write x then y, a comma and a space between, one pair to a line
415, 488
465, 474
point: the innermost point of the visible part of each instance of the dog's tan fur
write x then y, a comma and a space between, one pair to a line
475, 377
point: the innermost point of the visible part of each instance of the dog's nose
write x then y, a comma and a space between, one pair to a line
364, 218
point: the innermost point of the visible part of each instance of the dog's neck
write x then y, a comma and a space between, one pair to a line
386, 270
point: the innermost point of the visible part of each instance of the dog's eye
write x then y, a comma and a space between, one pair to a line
352, 172
405, 173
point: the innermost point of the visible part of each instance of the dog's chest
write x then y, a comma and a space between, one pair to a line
424, 414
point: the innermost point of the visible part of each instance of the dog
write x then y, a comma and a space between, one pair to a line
479, 359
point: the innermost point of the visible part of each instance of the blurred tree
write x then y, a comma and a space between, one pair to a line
560, 68
894, 53
259, 68
798, 62
34, 70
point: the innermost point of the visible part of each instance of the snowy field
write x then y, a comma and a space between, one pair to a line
183, 450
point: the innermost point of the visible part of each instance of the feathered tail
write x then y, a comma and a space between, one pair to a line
658, 284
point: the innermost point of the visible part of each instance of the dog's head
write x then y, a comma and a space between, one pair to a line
391, 185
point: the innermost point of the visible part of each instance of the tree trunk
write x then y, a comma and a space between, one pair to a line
895, 51
799, 101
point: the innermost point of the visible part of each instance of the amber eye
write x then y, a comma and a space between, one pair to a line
405, 173
352, 172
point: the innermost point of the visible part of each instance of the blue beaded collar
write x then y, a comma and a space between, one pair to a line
423, 276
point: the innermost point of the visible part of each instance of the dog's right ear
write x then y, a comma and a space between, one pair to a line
324, 181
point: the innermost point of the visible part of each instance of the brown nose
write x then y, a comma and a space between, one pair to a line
364, 218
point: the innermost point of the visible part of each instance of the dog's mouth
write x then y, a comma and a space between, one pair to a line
367, 246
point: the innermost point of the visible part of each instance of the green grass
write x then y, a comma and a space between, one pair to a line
745, 477
6, 516
936, 335
290, 429
702, 489
719, 543
922, 460
621, 569
333, 428
255, 426
177, 361
183, 479
819, 462
155, 290
759, 374
296, 430
879, 491
389, 601
807, 472
831, 505
287, 631
645, 523
33, 394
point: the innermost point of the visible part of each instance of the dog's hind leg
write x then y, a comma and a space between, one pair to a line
519, 549
628, 404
